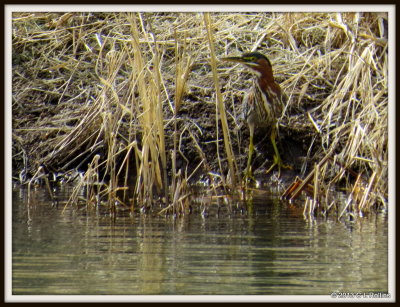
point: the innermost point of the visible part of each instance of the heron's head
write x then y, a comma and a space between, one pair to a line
253, 60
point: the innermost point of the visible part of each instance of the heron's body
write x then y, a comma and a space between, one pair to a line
260, 111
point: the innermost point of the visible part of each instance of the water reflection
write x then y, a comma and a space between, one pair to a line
271, 250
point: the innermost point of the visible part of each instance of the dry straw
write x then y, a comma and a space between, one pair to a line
145, 94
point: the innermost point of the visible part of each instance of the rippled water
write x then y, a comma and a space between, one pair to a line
269, 250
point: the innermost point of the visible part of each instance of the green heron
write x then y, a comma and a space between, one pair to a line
264, 102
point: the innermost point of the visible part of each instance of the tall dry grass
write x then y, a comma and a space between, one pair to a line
126, 87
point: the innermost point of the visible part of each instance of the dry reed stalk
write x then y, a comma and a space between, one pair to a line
220, 109
92, 182
89, 179
37, 176
150, 118
316, 187
182, 69
111, 121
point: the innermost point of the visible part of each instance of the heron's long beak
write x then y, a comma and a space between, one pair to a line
234, 59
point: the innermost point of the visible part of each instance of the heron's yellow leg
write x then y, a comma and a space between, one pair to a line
251, 151
248, 173
277, 158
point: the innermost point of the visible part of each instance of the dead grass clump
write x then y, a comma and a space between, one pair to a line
352, 119
144, 96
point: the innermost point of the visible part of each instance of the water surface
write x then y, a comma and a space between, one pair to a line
269, 250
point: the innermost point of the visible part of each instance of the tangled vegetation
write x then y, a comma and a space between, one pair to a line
136, 107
